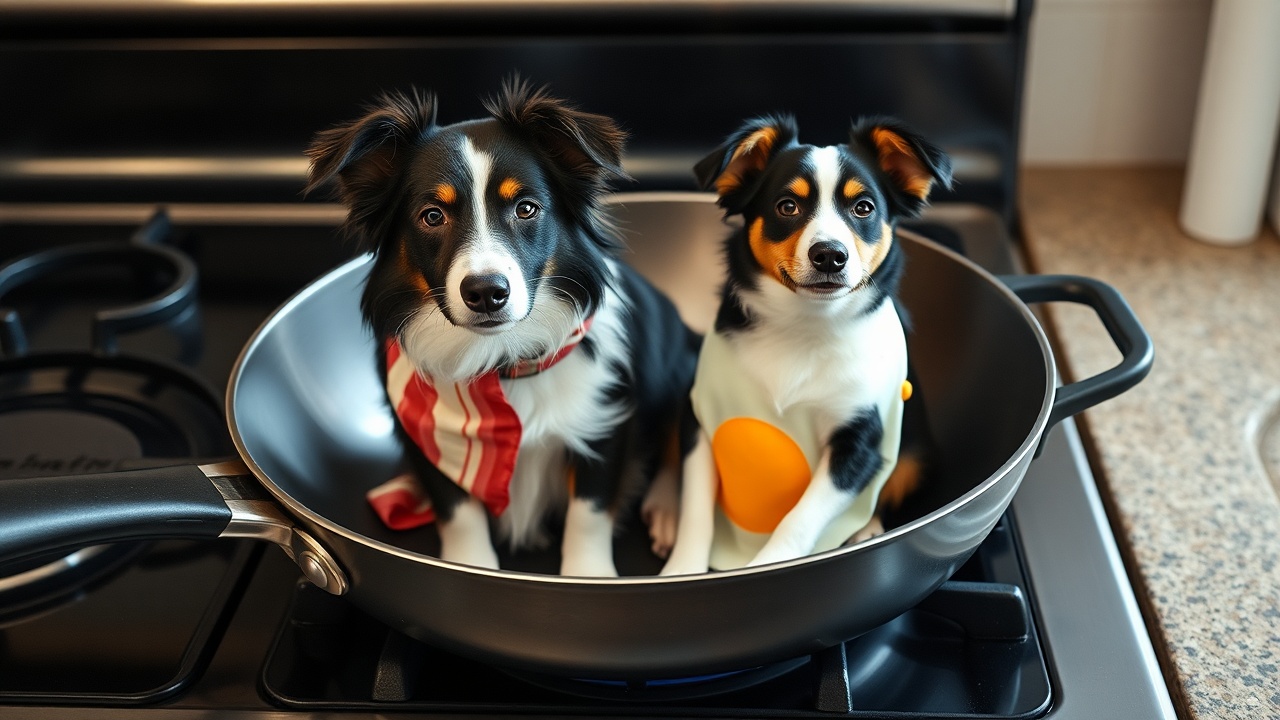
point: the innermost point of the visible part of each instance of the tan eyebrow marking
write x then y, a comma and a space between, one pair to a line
799, 187
446, 193
509, 188
852, 188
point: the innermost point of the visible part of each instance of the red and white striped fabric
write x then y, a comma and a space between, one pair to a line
401, 503
467, 430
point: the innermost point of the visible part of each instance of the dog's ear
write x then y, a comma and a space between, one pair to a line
583, 149
910, 163
732, 168
362, 156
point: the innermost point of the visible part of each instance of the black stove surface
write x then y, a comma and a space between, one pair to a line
227, 629
971, 644
139, 635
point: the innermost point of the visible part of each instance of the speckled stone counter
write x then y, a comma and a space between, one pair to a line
1183, 457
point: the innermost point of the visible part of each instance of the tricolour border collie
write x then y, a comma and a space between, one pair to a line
506, 323
801, 384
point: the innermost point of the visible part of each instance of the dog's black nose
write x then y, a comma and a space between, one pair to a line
828, 257
485, 293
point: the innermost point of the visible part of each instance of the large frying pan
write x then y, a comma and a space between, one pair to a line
307, 414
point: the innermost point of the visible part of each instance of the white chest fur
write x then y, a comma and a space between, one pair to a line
828, 361
567, 401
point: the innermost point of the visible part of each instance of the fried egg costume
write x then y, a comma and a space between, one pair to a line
765, 457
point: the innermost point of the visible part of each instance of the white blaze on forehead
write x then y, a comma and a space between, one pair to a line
827, 223
482, 253
480, 165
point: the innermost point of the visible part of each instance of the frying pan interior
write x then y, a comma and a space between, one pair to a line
981, 370
310, 412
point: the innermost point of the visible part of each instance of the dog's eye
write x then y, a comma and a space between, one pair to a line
526, 210
432, 217
863, 208
788, 207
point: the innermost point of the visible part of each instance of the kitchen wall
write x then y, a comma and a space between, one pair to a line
1113, 81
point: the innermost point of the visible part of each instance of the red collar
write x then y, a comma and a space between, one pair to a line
525, 368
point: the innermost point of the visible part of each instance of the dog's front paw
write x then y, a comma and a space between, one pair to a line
684, 564
777, 551
470, 554
588, 565
464, 538
587, 549
661, 513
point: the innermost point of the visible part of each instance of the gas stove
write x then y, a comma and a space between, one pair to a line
192, 156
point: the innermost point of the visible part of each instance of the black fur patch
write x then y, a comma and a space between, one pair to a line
657, 379
713, 166
731, 317
361, 154
855, 451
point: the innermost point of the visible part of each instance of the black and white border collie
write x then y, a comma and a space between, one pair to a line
800, 386
492, 255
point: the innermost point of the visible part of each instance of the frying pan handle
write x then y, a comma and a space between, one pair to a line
46, 514
1121, 324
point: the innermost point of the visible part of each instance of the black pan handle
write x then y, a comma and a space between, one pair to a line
1117, 317
42, 515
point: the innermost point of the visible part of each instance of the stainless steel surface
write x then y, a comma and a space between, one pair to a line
1105, 666
262, 520
1082, 597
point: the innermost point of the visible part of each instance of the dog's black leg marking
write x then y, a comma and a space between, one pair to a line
689, 428
732, 317
855, 452
598, 478
664, 356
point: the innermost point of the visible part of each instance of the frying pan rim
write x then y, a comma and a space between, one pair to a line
299, 510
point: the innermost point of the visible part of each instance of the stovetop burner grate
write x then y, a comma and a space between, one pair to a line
67, 412
968, 651
96, 410
182, 593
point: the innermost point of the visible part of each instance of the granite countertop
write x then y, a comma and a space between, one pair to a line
1188, 460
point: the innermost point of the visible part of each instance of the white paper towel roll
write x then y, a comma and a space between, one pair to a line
1237, 116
